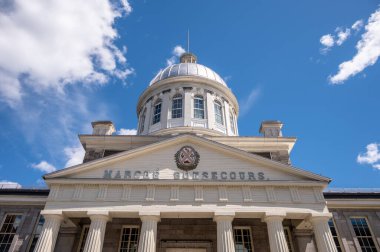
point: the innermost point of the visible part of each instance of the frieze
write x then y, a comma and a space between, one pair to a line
192, 175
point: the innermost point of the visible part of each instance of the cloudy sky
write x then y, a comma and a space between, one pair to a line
313, 65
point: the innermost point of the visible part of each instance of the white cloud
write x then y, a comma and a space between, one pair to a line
127, 131
368, 51
358, 25
247, 103
327, 40
47, 44
342, 36
372, 156
177, 52
74, 155
44, 167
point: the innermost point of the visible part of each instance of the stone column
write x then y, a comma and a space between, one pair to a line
225, 232
322, 233
95, 237
148, 233
276, 233
49, 233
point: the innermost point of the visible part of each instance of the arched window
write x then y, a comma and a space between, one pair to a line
177, 106
142, 121
199, 107
157, 112
218, 112
232, 121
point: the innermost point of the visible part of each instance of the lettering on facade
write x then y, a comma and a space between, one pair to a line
195, 175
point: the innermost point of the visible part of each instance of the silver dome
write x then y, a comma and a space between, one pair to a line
187, 69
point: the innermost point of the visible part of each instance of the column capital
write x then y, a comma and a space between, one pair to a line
96, 215
224, 216
272, 216
150, 215
319, 217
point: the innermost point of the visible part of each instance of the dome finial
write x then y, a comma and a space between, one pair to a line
188, 58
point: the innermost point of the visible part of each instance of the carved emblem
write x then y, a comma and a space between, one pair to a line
187, 158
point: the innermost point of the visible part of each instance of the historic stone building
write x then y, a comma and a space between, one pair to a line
187, 182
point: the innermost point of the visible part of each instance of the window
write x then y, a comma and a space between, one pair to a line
83, 237
8, 230
157, 112
218, 112
177, 106
232, 122
199, 108
37, 232
363, 234
142, 121
334, 234
129, 239
243, 240
289, 240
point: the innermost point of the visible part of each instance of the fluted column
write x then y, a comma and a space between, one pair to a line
225, 236
322, 233
49, 233
148, 233
95, 237
276, 233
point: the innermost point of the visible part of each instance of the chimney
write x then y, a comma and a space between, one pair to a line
271, 128
102, 128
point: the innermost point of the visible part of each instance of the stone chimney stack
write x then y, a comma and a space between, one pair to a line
271, 128
102, 128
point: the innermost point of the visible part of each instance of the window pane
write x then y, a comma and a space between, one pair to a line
177, 107
129, 239
288, 238
84, 235
334, 235
243, 242
363, 234
199, 108
8, 230
157, 113
218, 113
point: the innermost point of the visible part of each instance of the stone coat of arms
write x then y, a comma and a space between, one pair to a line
187, 158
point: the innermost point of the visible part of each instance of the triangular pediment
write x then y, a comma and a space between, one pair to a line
157, 161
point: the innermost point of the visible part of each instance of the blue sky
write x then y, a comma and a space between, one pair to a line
65, 64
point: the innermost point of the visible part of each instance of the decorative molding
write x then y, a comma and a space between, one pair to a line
53, 194
102, 193
247, 194
318, 194
198, 193
174, 193
126, 194
223, 195
150, 192
78, 192
294, 192
271, 194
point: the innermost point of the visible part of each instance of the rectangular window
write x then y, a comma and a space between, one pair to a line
334, 234
36, 233
177, 107
243, 240
363, 234
199, 109
218, 113
8, 230
289, 240
232, 122
129, 239
157, 113
83, 237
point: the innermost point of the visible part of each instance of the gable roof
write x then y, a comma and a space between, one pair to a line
187, 138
